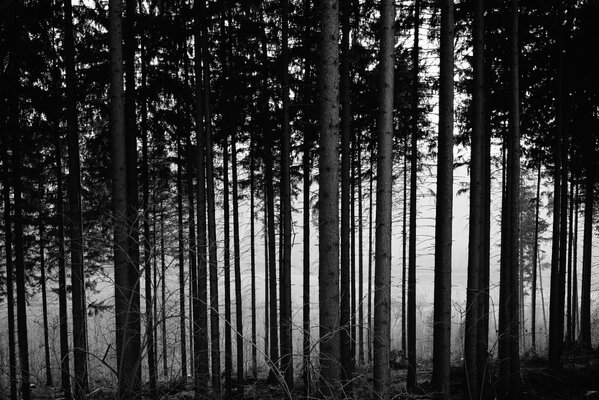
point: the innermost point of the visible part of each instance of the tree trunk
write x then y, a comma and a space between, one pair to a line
227, 269
306, 169
556, 313
404, 244
41, 230
200, 311
384, 199
147, 255
285, 278
328, 215
411, 378
163, 292
181, 262
266, 286
126, 276
476, 237
10, 271
65, 369
346, 294
360, 311
212, 253
443, 225
237, 251
14, 128
75, 224
133, 360
575, 272
370, 253
509, 352
587, 250
535, 251
569, 333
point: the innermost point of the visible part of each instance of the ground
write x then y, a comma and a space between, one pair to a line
579, 379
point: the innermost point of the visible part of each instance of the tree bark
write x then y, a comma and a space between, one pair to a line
42, 249
181, 262
286, 318
200, 311
147, 254
346, 294
384, 194
328, 215
75, 224
476, 237
65, 369
443, 225
535, 252
587, 250
10, 299
509, 330
411, 378
126, 277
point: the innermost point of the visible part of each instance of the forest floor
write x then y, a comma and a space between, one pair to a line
579, 379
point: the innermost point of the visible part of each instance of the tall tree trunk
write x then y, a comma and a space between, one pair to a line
227, 268
10, 299
65, 369
200, 311
42, 249
482, 362
328, 215
14, 128
306, 169
352, 258
404, 244
384, 198
569, 333
411, 378
306, 166
273, 354
509, 352
163, 292
556, 313
370, 254
443, 225
587, 250
285, 277
75, 224
212, 253
181, 262
237, 251
147, 246
253, 257
306, 267
133, 361
476, 237
535, 253
575, 272
126, 276
193, 278
360, 337
266, 285
346, 294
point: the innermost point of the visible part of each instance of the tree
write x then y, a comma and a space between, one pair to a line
200, 320
126, 277
443, 224
382, 277
286, 317
346, 294
328, 213
75, 222
509, 351
411, 379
